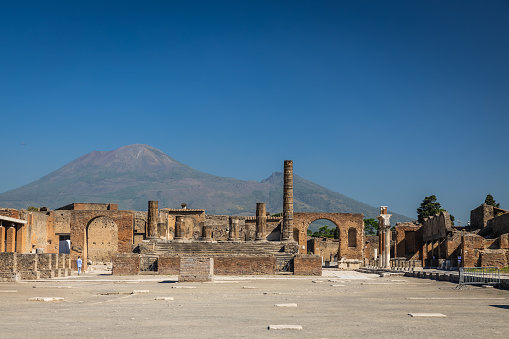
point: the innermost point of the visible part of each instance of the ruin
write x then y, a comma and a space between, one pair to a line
162, 240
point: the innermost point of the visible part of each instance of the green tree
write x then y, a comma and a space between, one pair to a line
325, 232
370, 226
429, 207
32, 208
490, 201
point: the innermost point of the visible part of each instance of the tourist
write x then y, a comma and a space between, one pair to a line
79, 263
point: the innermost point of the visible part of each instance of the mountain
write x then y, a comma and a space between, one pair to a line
134, 174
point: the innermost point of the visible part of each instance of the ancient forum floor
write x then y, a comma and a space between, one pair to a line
338, 304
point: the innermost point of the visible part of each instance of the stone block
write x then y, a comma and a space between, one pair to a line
196, 269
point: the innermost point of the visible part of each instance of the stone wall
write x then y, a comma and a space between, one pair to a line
436, 227
242, 265
500, 224
168, 265
195, 269
493, 258
408, 238
126, 264
370, 244
304, 264
16, 266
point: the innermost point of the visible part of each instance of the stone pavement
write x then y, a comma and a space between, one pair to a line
342, 304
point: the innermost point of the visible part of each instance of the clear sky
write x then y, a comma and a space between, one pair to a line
384, 101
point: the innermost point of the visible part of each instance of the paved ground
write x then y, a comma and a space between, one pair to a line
338, 304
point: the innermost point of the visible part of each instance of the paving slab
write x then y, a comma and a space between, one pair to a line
427, 315
285, 327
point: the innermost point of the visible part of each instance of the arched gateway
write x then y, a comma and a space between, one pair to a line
351, 231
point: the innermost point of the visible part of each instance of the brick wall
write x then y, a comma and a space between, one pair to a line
244, 265
196, 269
168, 265
307, 265
126, 264
470, 247
500, 224
493, 258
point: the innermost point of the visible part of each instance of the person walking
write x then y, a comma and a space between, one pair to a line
79, 263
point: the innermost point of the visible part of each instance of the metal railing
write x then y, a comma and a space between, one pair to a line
479, 276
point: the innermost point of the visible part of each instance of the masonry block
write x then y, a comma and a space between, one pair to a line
196, 269
307, 265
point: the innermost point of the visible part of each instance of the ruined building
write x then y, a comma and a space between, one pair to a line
148, 240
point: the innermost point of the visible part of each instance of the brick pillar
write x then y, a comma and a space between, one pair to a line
11, 240
234, 229
153, 218
261, 221
2, 239
179, 227
288, 201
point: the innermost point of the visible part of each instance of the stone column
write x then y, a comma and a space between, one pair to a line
384, 231
207, 233
11, 239
261, 221
234, 230
153, 217
388, 247
287, 229
179, 227
2, 239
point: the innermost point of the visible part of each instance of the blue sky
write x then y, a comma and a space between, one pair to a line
384, 101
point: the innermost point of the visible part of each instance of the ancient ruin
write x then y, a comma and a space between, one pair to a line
165, 240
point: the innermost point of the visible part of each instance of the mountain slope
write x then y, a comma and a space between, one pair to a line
134, 174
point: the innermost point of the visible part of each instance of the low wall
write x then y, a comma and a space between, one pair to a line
31, 266
168, 265
194, 269
307, 265
244, 265
126, 264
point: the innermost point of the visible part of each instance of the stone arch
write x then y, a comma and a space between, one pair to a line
343, 221
101, 239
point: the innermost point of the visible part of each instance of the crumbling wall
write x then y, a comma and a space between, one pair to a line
500, 224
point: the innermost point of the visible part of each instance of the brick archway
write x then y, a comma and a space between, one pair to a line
343, 221
81, 219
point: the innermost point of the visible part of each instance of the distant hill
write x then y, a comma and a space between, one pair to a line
132, 175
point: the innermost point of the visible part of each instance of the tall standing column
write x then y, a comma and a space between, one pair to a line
261, 220
153, 217
384, 231
288, 201
388, 247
